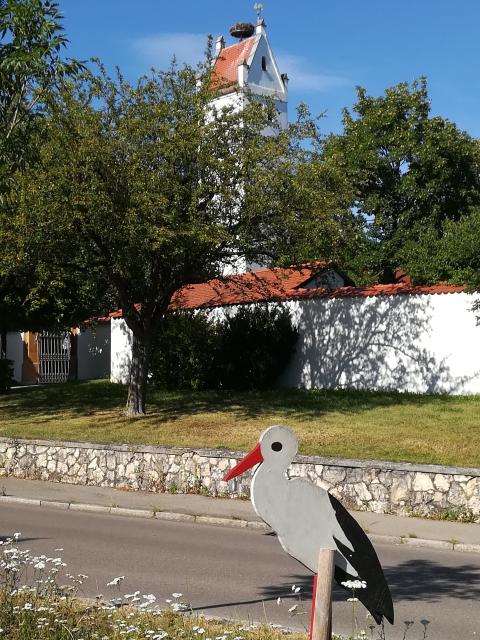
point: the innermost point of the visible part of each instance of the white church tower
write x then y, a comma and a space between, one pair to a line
249, 66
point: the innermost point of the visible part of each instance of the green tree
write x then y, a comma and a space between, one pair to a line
31, 69
408, 174
31, 66
151, 186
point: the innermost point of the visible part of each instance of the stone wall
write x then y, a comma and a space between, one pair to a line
378, 486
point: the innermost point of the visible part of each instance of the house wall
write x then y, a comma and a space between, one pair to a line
416, 343
93, 349
15, 353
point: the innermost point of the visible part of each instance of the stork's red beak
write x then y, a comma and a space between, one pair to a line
250, 460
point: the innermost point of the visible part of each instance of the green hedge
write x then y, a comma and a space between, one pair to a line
257, 344
247, 350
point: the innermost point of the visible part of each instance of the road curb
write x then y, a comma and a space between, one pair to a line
445, 545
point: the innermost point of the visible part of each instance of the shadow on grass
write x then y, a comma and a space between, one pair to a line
88, 398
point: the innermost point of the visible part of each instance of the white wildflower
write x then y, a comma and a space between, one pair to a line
279, 600
355, 584
116, 581
292, 609
177, 595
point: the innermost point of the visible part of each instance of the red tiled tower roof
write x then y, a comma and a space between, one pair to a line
225, 68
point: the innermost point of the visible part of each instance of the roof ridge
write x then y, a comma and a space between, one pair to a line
237, 44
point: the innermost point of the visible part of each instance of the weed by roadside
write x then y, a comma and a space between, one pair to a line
452, 514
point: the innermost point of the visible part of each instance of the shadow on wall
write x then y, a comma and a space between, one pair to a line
370, 343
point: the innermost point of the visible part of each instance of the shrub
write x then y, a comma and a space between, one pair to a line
6, 375
185, 353
257, 344
248, 350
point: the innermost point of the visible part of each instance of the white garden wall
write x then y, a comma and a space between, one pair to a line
418, 343
121, 351
423, 343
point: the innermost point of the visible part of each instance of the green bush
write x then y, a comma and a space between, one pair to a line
248, 350
257, 344
185, 352
6, 375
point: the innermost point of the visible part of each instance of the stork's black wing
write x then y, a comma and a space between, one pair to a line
376, 597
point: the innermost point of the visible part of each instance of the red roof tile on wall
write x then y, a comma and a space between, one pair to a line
280, 285
267, 284
381, 290
263, 286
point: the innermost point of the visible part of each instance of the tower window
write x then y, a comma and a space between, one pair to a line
264, 63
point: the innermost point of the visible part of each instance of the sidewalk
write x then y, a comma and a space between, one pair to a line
382, 528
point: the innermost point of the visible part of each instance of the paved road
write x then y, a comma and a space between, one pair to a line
239, 573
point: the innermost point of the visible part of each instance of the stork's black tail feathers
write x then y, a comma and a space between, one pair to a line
376, 596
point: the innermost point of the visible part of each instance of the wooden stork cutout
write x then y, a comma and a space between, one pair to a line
308, 519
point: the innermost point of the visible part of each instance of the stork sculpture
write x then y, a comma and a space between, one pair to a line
307, 518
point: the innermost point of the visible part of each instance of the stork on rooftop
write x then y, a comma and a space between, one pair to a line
307, 518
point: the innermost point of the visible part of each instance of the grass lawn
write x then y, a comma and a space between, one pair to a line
391, 426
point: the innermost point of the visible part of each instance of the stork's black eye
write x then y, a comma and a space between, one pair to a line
277, 446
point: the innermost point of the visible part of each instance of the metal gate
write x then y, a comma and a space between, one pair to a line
53, 356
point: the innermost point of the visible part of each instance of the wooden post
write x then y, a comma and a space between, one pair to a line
322, 604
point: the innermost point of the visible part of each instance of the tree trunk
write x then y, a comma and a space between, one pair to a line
3, 344
138, 376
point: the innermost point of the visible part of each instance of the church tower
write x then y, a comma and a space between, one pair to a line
243, 69
249, 65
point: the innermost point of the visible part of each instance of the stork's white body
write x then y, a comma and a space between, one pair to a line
306, 519
300, 513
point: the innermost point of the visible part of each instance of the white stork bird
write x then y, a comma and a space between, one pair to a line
307, 518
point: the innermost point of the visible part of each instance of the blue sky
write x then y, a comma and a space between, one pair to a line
327, 47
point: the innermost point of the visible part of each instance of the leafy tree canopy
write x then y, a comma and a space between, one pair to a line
409, 174
150, 186
31, 70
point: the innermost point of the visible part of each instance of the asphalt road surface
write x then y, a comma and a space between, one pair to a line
239, 574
